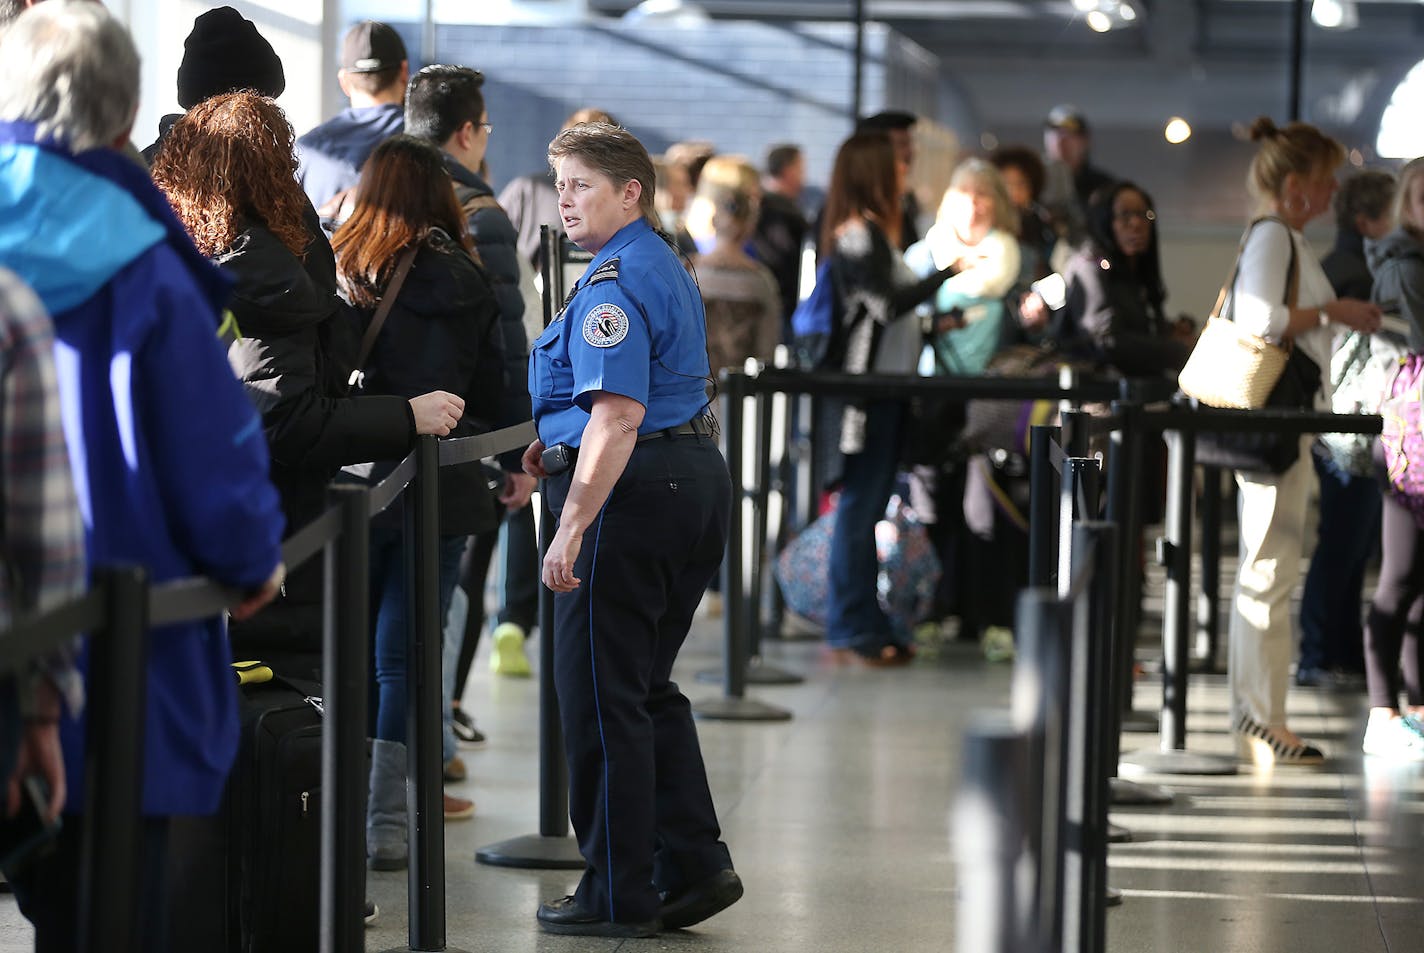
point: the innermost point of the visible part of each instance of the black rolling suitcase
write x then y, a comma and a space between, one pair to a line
247, 879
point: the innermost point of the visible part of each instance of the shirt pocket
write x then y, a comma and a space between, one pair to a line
553, 375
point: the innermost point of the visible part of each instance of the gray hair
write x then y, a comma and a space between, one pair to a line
69, 67
9, 10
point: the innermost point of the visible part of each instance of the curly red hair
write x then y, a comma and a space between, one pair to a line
231, 159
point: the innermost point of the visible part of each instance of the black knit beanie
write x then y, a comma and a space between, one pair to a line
223, 53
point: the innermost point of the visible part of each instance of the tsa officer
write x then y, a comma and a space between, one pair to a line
628, 453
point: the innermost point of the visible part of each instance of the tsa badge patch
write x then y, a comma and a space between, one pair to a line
605, 326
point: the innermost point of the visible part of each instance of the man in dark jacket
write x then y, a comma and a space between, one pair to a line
373, 75
445, 105
781, 228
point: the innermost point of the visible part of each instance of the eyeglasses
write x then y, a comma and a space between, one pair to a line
487, 126
1128, 216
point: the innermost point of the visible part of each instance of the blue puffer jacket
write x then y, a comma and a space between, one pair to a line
167, 453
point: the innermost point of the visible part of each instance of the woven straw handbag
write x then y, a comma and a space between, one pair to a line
1230, 368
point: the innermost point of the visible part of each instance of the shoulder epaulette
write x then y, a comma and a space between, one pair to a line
605, 272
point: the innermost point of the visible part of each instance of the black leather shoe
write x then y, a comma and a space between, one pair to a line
566, 917
702, 900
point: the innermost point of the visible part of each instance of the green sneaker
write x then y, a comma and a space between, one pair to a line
507, 655
998, 644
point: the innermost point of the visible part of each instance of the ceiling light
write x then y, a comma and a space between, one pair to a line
1104, 15
1177, 131
1335, 14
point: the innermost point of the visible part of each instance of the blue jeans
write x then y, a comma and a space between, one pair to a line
855, 619
388, 594
1331, 607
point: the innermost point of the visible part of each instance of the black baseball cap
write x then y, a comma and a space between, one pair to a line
886, 121
1066, 119
371, 47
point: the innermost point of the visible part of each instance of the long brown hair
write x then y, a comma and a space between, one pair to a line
405, 191
863, 183
231, 158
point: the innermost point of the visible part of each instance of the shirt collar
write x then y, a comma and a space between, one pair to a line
621, 239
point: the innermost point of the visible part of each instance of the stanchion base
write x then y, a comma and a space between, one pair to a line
758, 673
738, 709
1117, 834
1157, 761
1112, 897
534, 852
762, 672
1123, 792
1141, 721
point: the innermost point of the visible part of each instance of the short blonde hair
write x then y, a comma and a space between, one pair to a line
1412, 170
728, 195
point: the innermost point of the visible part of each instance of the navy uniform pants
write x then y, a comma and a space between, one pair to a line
638, 795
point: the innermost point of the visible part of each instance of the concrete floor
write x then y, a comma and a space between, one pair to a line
838, 821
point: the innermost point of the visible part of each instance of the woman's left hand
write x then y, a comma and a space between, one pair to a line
559, 561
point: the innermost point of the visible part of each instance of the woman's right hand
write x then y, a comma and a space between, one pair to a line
1362, 316
533, 460
437, 412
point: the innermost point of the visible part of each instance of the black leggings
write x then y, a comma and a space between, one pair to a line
1395, 614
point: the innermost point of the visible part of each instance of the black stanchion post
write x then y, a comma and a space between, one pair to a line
991, 828
733, 565
1124, 510
343, 738
759, 671
1176, 554
1043, 506
734, 705
1039, 695
1088, 725
1209, 602
110, 863
423, 702
1076, 433
1078, 501
552, 848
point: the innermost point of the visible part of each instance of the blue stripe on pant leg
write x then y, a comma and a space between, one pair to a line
598, 713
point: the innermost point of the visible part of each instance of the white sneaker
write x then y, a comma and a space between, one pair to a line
1388, 735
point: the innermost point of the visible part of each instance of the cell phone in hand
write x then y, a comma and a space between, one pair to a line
24, 836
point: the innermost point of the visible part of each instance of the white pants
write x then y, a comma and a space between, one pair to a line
1271, 513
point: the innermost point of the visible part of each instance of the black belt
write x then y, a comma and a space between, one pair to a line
696, 427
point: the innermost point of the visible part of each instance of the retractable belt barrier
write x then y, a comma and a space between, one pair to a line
122, 606
745, 565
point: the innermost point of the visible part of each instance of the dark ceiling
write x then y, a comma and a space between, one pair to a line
1236, 51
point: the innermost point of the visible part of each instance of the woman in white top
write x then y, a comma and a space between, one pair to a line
1292, 178
976, 232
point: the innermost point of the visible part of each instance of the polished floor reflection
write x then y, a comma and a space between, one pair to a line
839, 823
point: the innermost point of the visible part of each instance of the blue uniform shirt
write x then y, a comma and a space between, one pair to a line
635, 327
